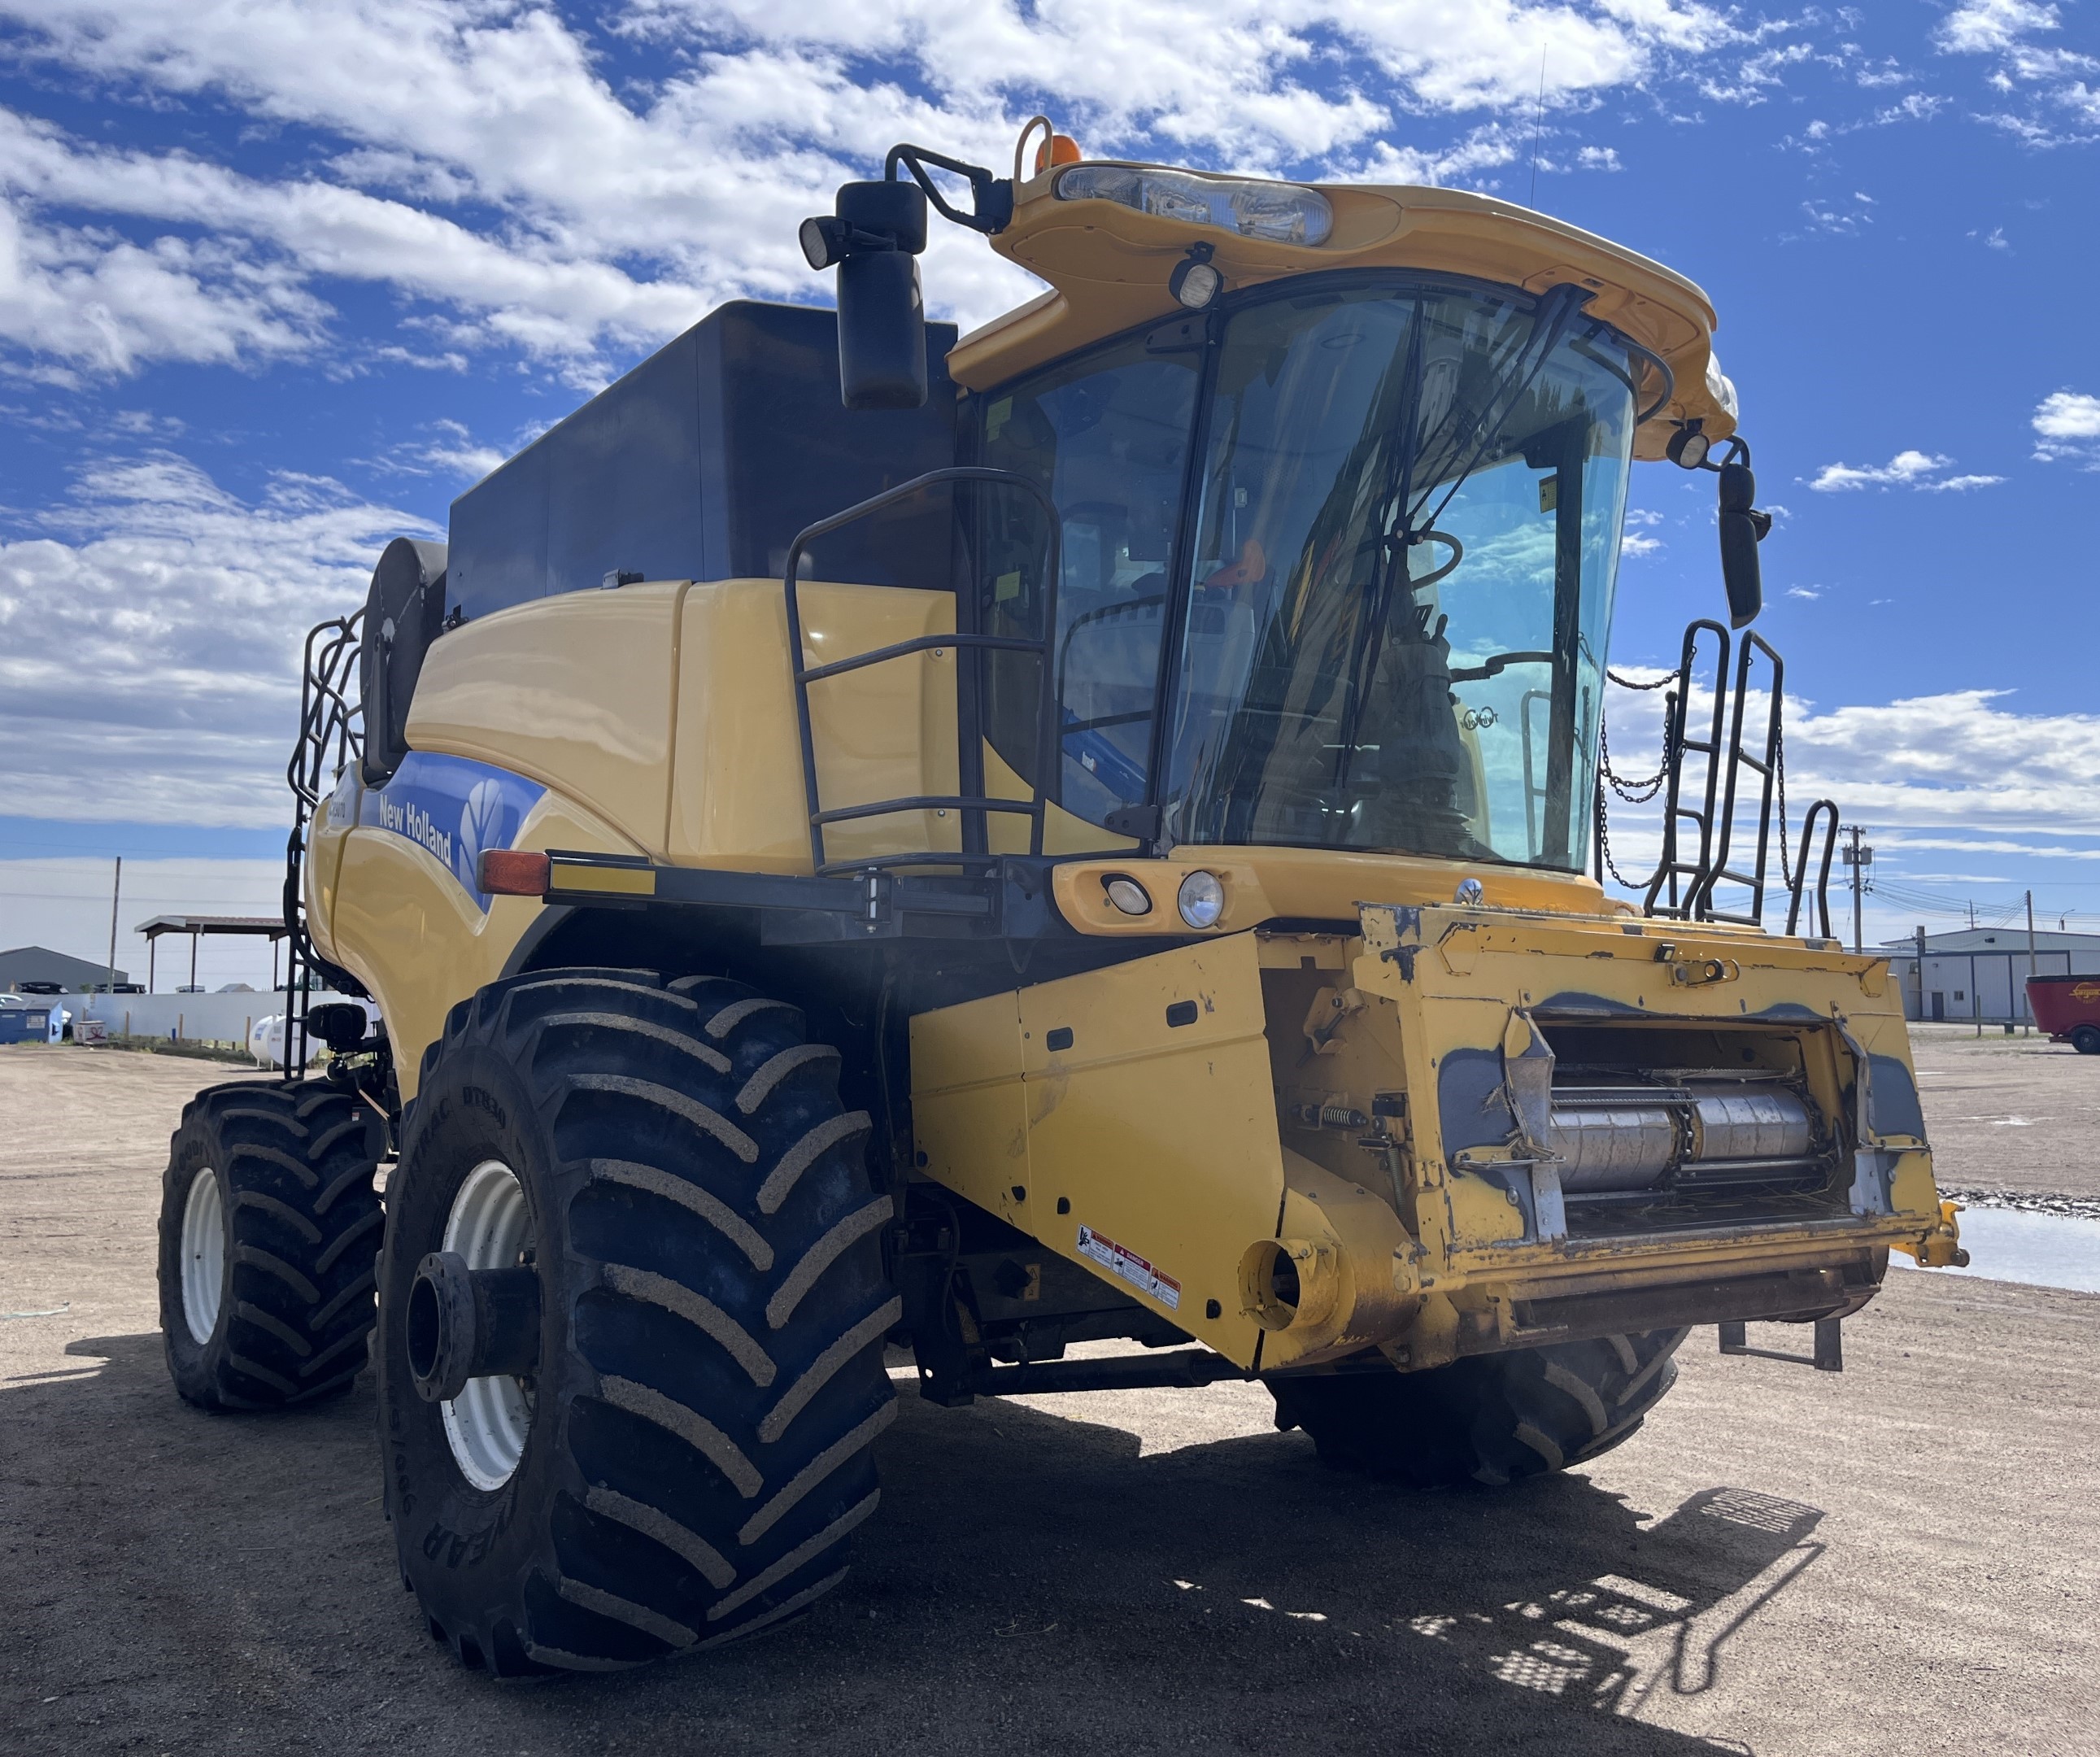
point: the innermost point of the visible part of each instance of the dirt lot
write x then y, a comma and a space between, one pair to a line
2011, 1116
1784, 1562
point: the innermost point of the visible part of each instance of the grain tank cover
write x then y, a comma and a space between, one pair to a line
702, 463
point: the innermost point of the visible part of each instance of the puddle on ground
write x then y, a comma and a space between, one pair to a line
2042, 1250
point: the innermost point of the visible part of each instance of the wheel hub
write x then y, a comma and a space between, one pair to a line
204, 1256
488, 1228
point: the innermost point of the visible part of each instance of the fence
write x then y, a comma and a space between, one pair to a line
223, 1018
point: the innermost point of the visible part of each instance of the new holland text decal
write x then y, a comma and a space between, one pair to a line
454, 808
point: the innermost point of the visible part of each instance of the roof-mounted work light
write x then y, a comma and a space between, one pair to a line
1196, 280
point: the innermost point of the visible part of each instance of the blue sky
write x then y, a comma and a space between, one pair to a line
277, 280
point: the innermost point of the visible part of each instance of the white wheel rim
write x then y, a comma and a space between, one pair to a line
204, 1256
485, 1424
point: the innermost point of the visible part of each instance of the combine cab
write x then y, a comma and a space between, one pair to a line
1088, 831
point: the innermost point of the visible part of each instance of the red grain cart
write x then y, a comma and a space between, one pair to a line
2068, 1009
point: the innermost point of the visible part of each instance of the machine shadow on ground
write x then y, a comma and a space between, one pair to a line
222, 1583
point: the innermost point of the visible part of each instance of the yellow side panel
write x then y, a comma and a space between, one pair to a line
1159, 1137
969, 1108
325, 836
575, 692
887, 732
406, 930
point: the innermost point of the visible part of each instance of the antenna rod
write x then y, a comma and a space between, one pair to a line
1537, 128
115, 886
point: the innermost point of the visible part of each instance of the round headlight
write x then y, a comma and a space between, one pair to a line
1202, 899
1127, 895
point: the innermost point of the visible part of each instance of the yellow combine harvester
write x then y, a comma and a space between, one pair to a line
1086, 835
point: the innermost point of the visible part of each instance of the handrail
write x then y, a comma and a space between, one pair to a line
1677, 740
969, 731
1766, 769
1822, 876
328, 728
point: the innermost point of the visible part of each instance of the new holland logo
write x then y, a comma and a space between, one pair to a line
411, 820
454, 808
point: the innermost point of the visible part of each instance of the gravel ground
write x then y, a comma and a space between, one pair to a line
2014, 1121
1899, 1557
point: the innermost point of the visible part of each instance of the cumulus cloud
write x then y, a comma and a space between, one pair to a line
1906, 469
1991, 27
476, 158
2067, 425
149, 642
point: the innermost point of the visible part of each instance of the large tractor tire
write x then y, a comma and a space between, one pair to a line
270, 1233
684, 1458
1491, 1419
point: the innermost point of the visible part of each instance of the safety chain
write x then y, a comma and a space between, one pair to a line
1637, 792
1779, 774
1642, 792
1633, 793
1604, 847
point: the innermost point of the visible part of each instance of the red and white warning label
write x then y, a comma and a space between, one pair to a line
1128, 1265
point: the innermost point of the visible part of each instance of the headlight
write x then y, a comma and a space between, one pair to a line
1127, 894
1283, 213
1202, 899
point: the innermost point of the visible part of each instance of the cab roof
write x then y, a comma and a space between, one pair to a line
1107, 265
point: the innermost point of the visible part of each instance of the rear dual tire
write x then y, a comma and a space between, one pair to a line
1491, 1419
692, 1449
270, 1234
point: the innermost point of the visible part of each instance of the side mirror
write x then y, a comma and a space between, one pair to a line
1743, 527
875, 239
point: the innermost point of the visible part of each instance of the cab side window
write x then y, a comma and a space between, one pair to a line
1107, 436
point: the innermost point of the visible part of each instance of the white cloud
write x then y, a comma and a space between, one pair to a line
472, 156
1755, 79
1906, 469
1598, 159
149, 645
2063, 109
1807, 593
73, 295
2067, 424
1991, 27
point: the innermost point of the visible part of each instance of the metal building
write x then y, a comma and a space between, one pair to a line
40, 964
1978, 975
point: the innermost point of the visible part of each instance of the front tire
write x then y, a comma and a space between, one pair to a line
694, 1446
2086, 1039
270, 1233
1491, 1418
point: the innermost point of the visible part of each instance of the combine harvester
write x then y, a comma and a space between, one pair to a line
1097, 837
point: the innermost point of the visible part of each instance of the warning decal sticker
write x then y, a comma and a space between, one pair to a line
1128, 1265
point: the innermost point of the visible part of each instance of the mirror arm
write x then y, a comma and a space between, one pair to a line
991, 197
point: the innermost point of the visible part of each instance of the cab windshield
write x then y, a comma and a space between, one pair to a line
1388, 631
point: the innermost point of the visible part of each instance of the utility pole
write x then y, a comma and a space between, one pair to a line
1858, 859
115, 889
2029, 1030
1921, 972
